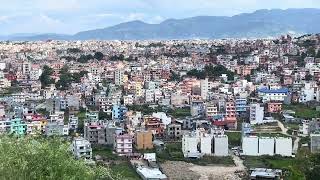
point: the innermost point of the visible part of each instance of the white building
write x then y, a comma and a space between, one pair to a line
118, 77
254, 146
256, 114
266, 146
204, 88
163, 116
315, 143
250, 146
283, 146
304, 128
205, 144
81, 148
310, 92
273, 94
221, 145
190, 145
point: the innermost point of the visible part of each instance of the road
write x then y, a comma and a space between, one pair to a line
283, 129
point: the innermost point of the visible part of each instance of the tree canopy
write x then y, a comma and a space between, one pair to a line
98, 55
211, 72
39, 158
45, 77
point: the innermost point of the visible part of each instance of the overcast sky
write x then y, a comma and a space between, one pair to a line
71, 16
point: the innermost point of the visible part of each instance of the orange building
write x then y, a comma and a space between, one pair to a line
143, 140
274, 107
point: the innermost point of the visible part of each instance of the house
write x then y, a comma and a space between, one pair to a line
118, 112
123, 144
95, 132
174, 131
273, 94
56, 129
256, 113
143, 139
81, 148
274, 107
18, 127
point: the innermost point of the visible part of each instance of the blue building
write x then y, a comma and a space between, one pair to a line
118, 112
18, 127
241, 105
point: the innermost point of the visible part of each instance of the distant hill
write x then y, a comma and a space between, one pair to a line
261, 23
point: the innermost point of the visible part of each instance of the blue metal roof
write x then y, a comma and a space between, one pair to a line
266, 90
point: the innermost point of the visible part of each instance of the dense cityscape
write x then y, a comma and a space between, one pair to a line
171, 109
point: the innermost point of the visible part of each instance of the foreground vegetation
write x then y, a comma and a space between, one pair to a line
39, 158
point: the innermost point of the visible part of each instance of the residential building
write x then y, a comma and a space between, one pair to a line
143, 139
81, 148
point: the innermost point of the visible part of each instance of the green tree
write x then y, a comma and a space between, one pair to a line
98, 55
39, 158
45, 77
65, 79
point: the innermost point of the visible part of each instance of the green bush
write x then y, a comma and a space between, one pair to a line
39, 158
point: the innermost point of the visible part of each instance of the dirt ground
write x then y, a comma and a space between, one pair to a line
178, 170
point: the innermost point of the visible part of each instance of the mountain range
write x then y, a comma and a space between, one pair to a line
259, 24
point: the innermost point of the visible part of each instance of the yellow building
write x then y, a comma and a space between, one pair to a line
143, 140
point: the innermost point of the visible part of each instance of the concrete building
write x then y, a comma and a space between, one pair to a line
81, 148
118, 112
190, 145
256, 113
56, 129
254, 146
143, 140
315, 143
283, 146
220, 145
204, 88
250, 146
174, 131
211, 110
206, 144
266, 146
123, 144
273, 94
18, 127
118, 77
95, 132
241, 105
274, 107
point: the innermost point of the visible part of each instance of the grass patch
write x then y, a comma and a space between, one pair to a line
173, 152
105, 152
234, 138
303, 111
125, 170
288, 165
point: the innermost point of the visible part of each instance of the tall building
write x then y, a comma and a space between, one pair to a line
123, 144
204, 88
256, 114
118, 77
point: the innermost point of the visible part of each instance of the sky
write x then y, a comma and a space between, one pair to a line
72, 16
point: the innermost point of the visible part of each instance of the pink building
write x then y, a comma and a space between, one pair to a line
123, 144
230, 117
274, 107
